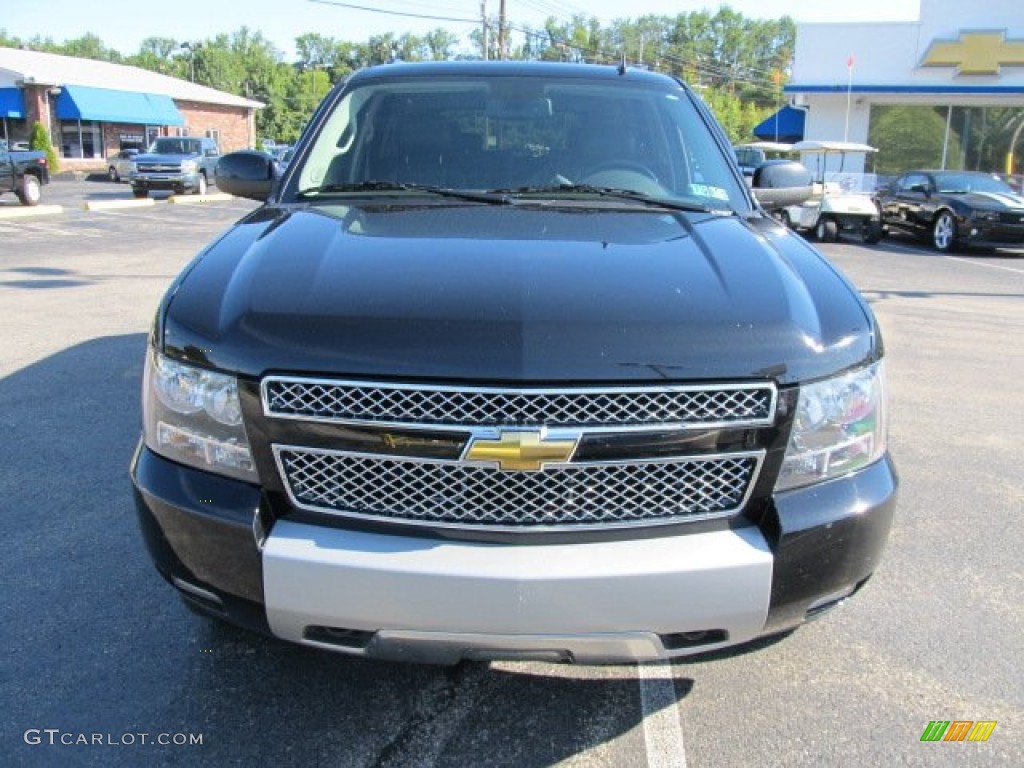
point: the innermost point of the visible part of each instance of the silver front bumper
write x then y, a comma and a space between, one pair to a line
440, 600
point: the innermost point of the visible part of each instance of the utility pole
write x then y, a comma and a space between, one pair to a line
483, 18
502, 32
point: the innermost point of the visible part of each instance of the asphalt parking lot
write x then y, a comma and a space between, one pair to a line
96, 643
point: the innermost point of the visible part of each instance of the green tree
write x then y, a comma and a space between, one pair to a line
908, 137
40, 141
439, 43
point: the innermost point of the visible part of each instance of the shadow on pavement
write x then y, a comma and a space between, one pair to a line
97, 643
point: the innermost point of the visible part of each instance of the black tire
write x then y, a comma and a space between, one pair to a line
30, 192
201, 185
139, 192
872, 232
786, 221
944, 232
112, 174
826, 230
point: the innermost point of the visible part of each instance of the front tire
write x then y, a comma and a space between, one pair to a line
826, 230
871, 233
944, 232
139, 192
786, 221
112, 174
29, 191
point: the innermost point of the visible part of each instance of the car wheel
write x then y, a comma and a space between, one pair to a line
139, 192
872, 232
201, 185
29, 191
112, 174
944, 232
826, 230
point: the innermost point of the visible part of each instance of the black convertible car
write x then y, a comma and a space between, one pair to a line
954, 208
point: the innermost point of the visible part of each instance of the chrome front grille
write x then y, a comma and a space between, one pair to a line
453, 493
425, 405
158, 168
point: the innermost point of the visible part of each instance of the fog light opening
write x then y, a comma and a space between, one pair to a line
827, 603
695, 639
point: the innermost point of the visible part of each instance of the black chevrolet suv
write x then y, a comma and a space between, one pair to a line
511, 364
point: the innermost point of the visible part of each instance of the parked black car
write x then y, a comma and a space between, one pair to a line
954, 209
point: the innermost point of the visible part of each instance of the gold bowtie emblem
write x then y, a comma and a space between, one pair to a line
975, 53
520, 451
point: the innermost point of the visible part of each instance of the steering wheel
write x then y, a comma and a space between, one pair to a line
627, 166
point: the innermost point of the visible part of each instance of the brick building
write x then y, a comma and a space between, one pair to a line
95, 108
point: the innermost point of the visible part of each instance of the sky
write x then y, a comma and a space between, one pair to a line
124, 24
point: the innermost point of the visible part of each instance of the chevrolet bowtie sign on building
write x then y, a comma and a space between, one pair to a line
942, 91
976, 53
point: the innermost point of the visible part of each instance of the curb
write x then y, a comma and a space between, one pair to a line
23, 211
196, 199
101, 205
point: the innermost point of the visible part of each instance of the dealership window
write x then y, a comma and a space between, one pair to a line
80, 138
214, 134
943, 136
131, 140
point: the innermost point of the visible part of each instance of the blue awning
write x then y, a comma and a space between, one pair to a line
785, 125
12, 103
78, 102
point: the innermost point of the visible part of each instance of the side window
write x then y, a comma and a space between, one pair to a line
912, 180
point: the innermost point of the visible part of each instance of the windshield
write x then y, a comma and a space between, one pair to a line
524, 136
174, 146
971, 182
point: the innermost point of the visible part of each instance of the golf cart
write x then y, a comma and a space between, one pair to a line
832, 209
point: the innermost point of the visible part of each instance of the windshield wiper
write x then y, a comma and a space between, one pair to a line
612, 192
393, 186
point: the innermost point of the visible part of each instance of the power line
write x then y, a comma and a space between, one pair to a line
405, 14
699, 67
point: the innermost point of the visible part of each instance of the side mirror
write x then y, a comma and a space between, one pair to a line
780, 183
246, 173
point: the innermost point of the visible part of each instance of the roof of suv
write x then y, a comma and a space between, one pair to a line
513, 68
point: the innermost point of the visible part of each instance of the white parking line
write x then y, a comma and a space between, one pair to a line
663, 732
973, 262
985, 264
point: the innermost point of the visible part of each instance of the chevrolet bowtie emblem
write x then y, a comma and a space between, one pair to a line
975, 53
520, 450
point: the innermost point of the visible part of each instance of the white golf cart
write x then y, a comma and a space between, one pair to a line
833, 207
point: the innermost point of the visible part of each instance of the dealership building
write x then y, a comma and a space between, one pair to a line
95, 108
945, 91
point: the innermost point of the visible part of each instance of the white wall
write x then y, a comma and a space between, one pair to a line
889, 54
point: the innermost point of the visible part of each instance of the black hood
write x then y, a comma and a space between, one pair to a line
516, 294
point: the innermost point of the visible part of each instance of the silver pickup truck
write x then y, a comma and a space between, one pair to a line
176, 163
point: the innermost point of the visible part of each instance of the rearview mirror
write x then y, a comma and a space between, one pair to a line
779, 183
246, 173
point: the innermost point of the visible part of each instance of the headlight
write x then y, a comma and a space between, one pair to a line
189, 166
985, 215
840, 426
193, 416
